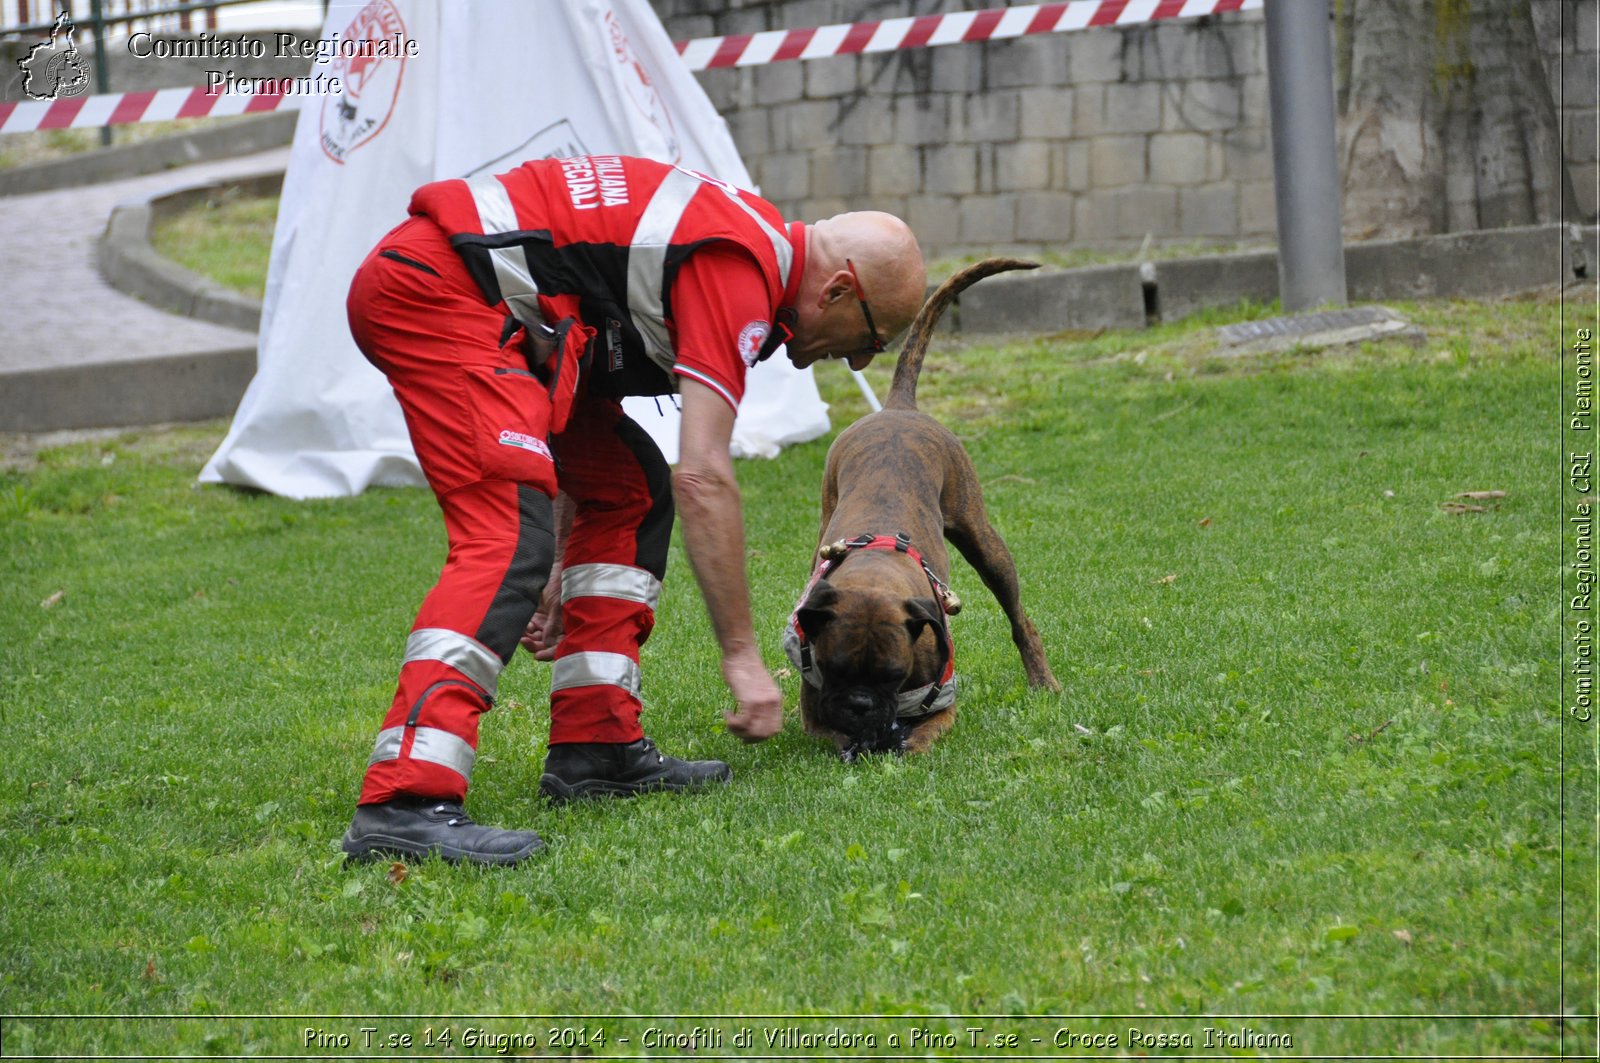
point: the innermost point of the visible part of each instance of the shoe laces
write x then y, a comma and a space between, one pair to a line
458, 815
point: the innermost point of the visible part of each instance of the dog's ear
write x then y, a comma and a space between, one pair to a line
920, 612
816, 611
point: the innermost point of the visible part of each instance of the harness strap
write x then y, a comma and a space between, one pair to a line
912, 704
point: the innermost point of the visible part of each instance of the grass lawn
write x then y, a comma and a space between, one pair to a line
227, 238
1305, 777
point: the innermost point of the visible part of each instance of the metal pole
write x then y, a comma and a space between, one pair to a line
102, 77
866, 391
1305, 165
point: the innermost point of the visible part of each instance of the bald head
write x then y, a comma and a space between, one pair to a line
886, 257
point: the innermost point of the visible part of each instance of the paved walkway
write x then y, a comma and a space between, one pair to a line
56, 310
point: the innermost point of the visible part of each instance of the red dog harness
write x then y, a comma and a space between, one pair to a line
909, 704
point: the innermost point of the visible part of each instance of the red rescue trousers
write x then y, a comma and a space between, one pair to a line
614, 561
478, 420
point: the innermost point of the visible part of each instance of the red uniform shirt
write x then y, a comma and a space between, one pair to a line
720, 313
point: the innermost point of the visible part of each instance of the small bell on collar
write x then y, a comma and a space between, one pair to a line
834, 551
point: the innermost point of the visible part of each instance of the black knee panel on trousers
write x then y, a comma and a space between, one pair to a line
655, 531
523, 583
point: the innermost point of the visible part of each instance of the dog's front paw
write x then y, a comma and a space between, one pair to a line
900, 739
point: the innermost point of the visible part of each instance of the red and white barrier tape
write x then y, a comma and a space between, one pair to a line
752, 49
706, 53
123, 108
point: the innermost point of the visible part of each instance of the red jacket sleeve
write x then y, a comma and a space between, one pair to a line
721, 315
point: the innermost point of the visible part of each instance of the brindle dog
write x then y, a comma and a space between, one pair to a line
870, 633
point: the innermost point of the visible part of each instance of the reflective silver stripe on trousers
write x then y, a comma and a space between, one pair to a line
431, 744
466, 655
610, 581
647, 262
496, 215
595, 668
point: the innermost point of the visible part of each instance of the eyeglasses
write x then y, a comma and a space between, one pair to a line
875, 344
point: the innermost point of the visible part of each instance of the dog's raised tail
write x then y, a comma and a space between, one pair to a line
903, 389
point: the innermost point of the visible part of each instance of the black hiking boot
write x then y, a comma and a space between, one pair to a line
621, 769
430, 826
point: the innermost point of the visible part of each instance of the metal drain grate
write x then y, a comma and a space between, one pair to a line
1325, 329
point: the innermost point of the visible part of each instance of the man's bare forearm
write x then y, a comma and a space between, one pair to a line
713, 537
562, 509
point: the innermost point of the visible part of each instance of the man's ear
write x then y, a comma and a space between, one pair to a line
839, 285
920, 613
816, 612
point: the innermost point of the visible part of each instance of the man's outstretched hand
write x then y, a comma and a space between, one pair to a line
758, 714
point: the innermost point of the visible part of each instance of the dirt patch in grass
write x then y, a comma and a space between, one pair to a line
167, 444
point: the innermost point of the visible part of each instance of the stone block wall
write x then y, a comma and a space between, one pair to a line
1092, 138
1570, 40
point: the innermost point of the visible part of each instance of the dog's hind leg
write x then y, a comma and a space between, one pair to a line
986, 552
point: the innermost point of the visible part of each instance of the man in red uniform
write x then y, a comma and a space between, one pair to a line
510, 314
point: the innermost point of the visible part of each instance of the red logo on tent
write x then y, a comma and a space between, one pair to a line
369, 59
635, 82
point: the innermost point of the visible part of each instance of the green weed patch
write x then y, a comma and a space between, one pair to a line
227, 238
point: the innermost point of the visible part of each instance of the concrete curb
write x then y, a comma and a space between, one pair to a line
190, 387
1485, 264
1090, 298
243, 136
131, 265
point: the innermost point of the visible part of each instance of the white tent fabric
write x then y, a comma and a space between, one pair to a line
479, 88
